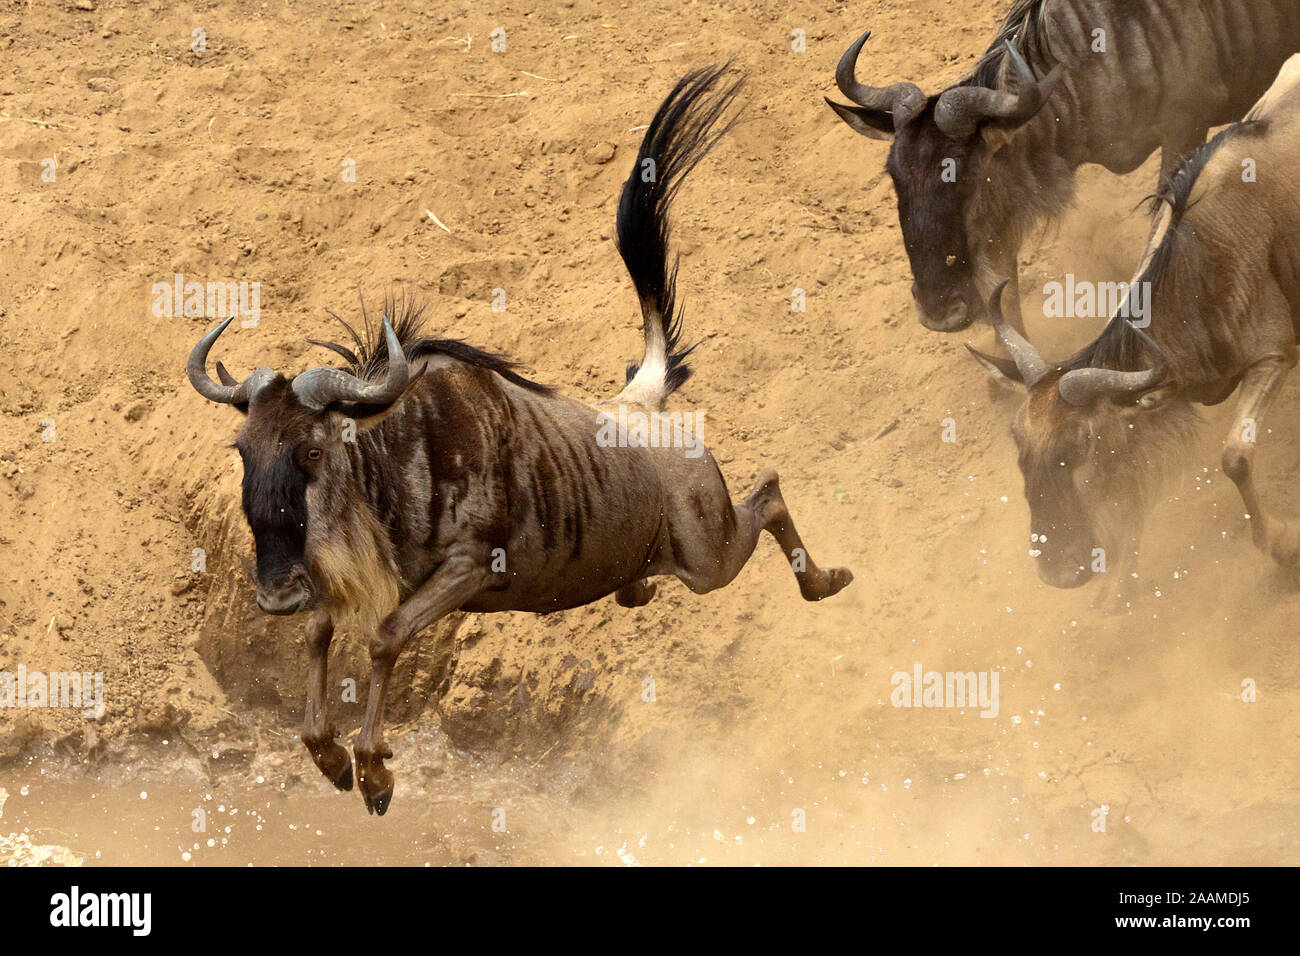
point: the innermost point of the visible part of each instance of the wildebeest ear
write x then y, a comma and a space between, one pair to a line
1153, 398
362, 417
1003, 371
874, 124
996, 135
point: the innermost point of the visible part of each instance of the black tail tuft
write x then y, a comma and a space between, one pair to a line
683, 130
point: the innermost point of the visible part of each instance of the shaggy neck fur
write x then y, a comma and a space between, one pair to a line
347, 546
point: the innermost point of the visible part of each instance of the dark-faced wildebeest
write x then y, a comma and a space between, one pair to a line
470, 487
1099, 431
980, 165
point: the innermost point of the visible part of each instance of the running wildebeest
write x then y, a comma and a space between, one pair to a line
980, 165
1099, 431
471, 487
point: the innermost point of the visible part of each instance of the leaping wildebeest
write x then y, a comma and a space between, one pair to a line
1099, 431
979, 166
471, 487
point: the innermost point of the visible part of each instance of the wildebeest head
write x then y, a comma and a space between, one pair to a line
1094, 446
939, 162
294, 429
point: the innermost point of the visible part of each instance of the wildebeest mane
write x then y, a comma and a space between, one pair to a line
369, 360
1023, 28
682, 132
1176, 193
1119, 346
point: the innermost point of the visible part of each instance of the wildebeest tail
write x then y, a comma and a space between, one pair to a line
685, 128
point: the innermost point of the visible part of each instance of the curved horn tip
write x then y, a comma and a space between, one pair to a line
207, 340
1018, 61
1141, 332
856, 46
1030, 364
1038, 90
196, 371
902, 100
1152, 344
846, 68
995, 301
394, 344
222, 326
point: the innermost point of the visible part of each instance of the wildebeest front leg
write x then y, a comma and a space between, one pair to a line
1259, 386
456, 581
319, 734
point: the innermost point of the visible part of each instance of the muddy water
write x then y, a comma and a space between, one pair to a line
277, 811
714, 806
792, 797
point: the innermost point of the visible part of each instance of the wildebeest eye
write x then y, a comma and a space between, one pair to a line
313, 454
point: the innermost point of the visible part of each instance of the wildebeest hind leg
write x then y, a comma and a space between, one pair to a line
458, 580
762, 510
318, 733
770, 508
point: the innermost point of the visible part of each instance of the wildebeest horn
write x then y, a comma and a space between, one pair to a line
1084, 385
319, 387
903, 100
961, 109
228, 391
1028, 361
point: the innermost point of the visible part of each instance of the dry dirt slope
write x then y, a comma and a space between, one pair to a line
228, 165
